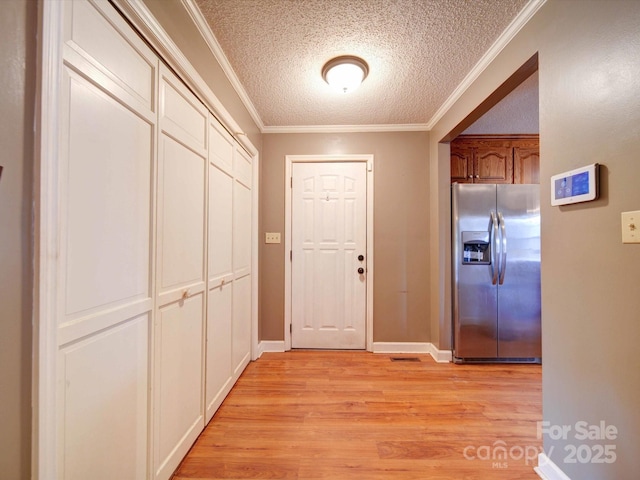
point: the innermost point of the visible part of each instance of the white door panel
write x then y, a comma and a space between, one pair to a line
220, 225
182, 115
242, 168
101, 44
221, 146
178, 408
181, 205
104, 178
104, 404
219, 341
178, 379
241, 230
328, 235
241, 334
108, 201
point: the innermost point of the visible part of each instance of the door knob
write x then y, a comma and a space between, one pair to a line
361, 257
361, 270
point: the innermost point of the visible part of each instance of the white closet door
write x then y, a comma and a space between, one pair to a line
104, 309
242, 232
178, 409
220, 285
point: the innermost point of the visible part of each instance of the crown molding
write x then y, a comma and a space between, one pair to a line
409, 127
205, 31
146, 24
503, 40
173, 55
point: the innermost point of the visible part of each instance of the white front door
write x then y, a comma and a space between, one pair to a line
329, 265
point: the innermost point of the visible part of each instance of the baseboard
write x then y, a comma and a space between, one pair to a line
401, 347
547, 470
270, 346
440, 356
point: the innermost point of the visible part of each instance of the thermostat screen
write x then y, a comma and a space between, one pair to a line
571, 186
575, 186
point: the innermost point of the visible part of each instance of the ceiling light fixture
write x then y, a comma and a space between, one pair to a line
345, 73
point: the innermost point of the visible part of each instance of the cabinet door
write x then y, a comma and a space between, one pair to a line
461, 164
493, 165
526, 165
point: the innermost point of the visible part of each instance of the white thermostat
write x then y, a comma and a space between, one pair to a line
575, 186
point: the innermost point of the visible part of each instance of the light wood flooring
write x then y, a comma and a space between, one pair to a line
356, 415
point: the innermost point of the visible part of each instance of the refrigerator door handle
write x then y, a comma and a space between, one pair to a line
503, 247
494, 245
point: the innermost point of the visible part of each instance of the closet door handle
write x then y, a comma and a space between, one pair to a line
185, 294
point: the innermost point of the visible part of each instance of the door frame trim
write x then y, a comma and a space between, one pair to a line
289, 161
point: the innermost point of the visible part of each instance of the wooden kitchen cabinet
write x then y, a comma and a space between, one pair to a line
495, 159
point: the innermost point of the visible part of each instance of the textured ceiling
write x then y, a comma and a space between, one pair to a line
418, 52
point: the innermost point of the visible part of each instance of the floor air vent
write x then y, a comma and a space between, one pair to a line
405, 359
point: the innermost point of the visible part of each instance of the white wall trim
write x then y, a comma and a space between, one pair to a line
46, 243
255, 249
267, 346
503, 40
440, 356
145, 23
212, 42
289, 161
547, 470
408, 127
401, 347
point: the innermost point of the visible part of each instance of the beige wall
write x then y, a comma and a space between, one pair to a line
17, 77
589, 72
401, 240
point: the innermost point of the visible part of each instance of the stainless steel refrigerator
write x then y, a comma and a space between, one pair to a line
496, 273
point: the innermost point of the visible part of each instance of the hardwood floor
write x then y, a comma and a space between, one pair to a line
356, 415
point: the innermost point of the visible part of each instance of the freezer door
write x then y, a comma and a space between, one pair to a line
474, 294
519, 293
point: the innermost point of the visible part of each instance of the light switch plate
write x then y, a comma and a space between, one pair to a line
631, 227
270, 237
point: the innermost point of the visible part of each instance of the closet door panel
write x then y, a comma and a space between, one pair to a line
220, 225
181, 220
178, 406
104, 404
178, 381
241, 230
241, 324
218, 369
182, 115
108, 201
221, 146
105, 181
100, 43
242, 169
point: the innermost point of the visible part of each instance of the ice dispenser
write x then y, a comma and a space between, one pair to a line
476, 248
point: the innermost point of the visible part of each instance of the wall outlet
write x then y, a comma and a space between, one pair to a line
631, 227
270, 237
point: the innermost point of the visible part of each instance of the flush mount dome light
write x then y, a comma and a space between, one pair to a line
345, 73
